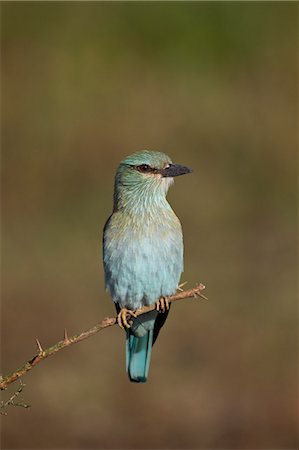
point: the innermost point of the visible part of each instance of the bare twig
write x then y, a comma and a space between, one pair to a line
11, 400
66, 341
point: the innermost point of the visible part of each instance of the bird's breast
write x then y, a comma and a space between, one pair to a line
143, 257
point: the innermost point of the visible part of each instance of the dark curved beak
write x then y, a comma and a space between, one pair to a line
175, 170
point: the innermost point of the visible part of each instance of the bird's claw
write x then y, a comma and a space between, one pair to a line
124, 316
162, 304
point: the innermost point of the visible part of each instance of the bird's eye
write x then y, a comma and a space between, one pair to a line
144, 168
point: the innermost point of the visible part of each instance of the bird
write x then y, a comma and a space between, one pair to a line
142, 252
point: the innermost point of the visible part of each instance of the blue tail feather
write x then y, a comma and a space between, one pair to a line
138, 355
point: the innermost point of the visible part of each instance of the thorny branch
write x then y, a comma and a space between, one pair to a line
67, 341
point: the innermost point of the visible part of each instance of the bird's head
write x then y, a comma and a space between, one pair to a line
145, 174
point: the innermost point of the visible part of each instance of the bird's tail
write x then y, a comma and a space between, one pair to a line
138, 355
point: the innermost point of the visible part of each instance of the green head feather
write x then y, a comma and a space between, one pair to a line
139, 180
156, 160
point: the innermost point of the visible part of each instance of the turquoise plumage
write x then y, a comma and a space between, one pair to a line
142, 250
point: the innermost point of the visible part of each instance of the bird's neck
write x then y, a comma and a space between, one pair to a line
142, 199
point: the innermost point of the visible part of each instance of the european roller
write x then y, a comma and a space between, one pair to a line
143, 252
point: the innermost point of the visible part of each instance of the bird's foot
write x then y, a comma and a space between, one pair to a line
162, 305
123, 318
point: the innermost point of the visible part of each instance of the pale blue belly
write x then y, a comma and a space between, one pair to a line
142, 263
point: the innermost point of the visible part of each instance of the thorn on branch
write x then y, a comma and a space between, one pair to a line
201, 287
65, 337
40, 348
181, 285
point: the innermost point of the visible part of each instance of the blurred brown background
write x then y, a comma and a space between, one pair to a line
214, 85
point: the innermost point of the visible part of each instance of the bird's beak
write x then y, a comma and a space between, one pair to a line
174, 170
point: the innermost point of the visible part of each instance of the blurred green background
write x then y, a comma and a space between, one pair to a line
214, 85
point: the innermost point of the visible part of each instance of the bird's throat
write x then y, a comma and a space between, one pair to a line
142, 198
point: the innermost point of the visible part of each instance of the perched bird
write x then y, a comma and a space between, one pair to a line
142, 252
